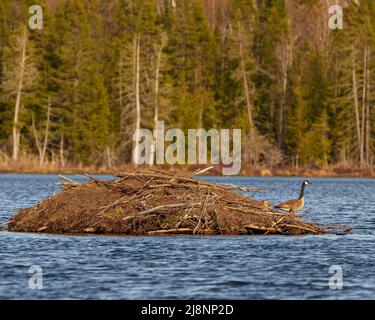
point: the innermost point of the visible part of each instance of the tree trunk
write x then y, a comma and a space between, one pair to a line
245, 83
36, 138
368, 124
156, 103
109, 157
213, 13
174, 5
62, 159
356, 104
137, 94
121, 93
284, 70
16, 132
46, 133
364, 87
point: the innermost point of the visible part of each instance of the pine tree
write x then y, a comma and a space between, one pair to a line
273, 52
191, 66
82, 93
317, 145
297, 123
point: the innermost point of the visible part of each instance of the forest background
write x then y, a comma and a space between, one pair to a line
73, 93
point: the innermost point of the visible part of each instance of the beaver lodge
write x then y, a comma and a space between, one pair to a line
157, 203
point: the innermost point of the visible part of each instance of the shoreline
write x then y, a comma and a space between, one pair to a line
246, 171
110, 173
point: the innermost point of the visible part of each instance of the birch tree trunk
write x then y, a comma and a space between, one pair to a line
284, 70
109, 157
16, 132
137, 95
174, 5
285, 62
245, 83
62, 158
46, 133
42, 149
121, 79
364, 87
356, 104
36, 138
368, 124
213, 12
156, 103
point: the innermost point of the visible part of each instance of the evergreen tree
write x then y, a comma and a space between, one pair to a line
191, 66
82, 93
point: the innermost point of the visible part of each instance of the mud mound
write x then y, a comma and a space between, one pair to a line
156, 203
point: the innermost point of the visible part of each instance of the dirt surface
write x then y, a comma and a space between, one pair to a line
157, 203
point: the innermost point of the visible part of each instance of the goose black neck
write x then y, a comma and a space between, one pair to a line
302, 194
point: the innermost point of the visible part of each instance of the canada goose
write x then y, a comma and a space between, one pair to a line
294, 204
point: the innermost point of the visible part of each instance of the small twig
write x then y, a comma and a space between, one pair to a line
162, 172
304, 228
89, 177
276, 223
68, 179
230, 186
201, 214
200, 171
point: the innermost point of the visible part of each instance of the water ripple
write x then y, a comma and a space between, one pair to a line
230, 267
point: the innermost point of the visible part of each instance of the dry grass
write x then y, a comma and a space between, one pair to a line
30, 164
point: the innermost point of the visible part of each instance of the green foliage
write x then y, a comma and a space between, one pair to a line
316, 145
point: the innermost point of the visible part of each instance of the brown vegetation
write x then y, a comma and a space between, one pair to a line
31, 164
157, 203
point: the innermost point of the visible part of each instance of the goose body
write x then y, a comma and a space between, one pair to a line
294, 205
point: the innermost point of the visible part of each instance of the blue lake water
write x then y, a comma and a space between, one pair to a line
220, 267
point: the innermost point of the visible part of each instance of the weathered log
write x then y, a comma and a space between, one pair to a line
171, 231
261, 228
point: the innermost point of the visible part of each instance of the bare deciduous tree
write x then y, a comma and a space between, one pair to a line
19, 75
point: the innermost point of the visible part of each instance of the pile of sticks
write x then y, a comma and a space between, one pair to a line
152, 202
